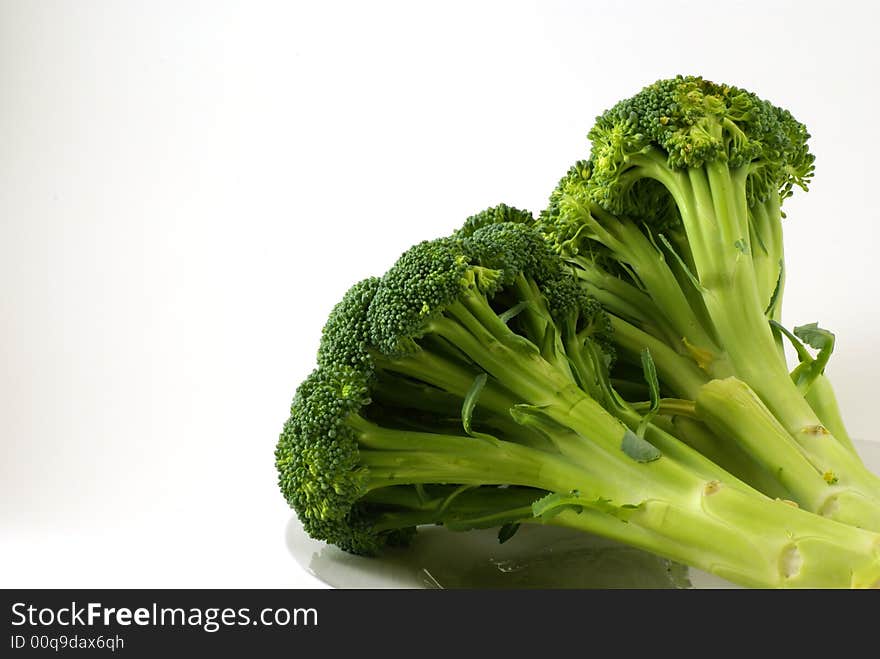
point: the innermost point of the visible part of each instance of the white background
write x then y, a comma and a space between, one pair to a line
186, 188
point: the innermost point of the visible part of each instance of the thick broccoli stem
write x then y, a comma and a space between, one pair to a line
677, 372
588, 460
731, 409
686, 380
591, 470
539, 326
623, 299
515, 363
667, 509
736, 534
658, 279
672, 446
727, 454
633, 248
759, 464
765, 247
768, 257
682, 375
406, 396
404, 457
748, 540
712, 203
753, 352
658, 506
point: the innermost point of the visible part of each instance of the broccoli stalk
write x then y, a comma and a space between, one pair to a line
468, 387
675, 225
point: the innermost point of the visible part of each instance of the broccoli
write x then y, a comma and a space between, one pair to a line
469, 387
674, 225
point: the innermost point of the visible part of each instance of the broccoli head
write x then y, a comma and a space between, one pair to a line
468, 387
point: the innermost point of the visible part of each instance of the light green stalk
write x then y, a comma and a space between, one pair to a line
712, 203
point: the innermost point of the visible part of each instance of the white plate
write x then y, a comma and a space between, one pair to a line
536, 557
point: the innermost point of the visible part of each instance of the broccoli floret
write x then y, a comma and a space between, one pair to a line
500, 214
345, 337
317, 458
690, 123
468, 387
687, 153
674, 225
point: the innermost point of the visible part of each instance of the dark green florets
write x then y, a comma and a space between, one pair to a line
561, 222
355, 533
432, 275
346, 334
425, 280
317, 453
515, 249
565, 225
694, 122
320, 462
576, 178
500, 214
512, 249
